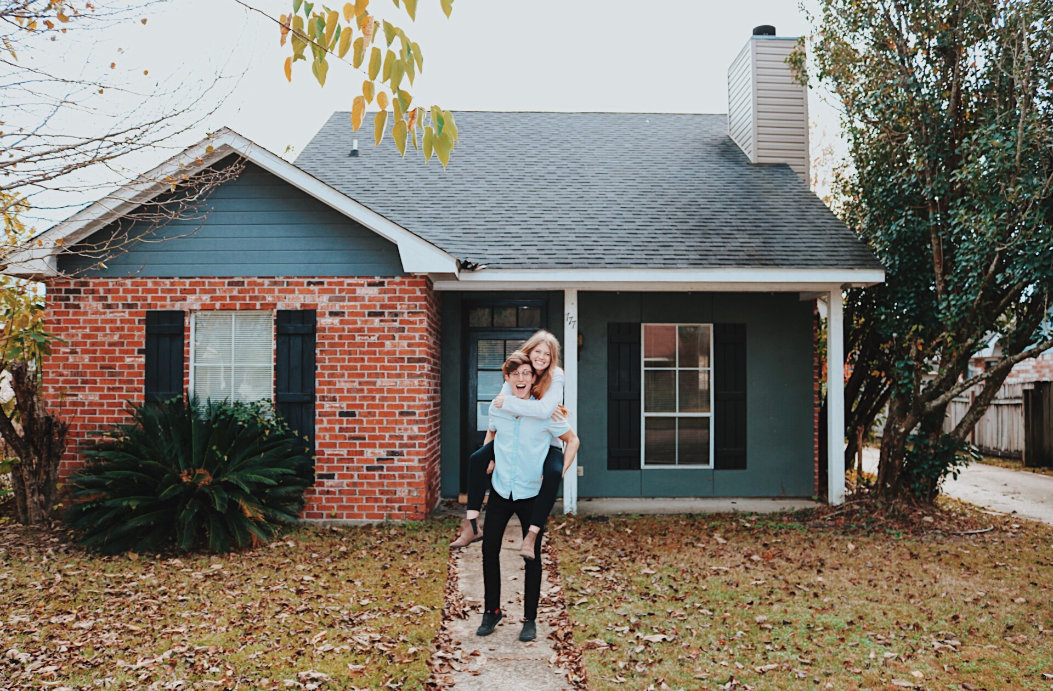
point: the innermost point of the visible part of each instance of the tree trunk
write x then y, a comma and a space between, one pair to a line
893, 451
39, 445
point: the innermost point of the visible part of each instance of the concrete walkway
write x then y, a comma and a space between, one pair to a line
1024, 494
500, 660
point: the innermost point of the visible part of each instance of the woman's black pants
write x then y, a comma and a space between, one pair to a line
498, 511
479, 482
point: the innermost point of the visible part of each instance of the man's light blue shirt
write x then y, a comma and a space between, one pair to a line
520, 448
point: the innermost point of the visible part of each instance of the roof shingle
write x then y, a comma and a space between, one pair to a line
592, 190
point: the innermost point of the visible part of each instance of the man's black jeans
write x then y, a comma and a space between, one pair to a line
498, 512
479, 482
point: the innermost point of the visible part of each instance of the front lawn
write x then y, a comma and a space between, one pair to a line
791, 602
323, 608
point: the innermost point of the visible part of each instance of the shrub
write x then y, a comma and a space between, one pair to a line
187, 476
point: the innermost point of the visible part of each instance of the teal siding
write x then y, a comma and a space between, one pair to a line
254, 225
779, 396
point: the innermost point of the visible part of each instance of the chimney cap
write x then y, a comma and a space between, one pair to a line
764, 30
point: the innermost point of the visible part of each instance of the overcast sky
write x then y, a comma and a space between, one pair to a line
546, 55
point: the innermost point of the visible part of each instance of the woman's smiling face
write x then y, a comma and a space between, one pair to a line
541, 357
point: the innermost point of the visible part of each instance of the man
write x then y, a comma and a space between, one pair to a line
520, 447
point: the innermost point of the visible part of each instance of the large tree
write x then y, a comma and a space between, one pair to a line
66, 127
947, 112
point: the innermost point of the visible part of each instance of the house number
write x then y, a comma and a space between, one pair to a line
572, 320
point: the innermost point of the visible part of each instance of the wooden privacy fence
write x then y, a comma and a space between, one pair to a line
1000, 432
1038, 425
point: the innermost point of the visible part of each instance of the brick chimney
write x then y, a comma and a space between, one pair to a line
767, 107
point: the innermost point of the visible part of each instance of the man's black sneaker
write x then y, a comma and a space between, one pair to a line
529, 631
490, 620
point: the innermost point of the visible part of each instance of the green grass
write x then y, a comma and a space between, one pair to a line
360, 606
786, 602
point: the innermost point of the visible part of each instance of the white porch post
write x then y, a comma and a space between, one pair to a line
835, 398
570, 391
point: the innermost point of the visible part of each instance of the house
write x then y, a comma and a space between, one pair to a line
679, 259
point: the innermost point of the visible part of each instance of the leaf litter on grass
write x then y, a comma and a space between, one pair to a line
354, 608
864, 599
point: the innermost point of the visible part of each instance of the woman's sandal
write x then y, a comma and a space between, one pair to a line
468, 535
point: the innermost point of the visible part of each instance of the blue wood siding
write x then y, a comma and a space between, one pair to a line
254, 225
780, 429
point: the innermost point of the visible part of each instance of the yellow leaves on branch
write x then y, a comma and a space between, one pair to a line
358, 112
331, 22
360, 52
345, 43
374, 64
320, 69
332, 32
380, 122
398, 133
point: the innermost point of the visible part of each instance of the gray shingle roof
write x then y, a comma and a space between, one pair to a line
591, 190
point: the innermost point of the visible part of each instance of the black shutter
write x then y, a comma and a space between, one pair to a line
294, 371
163, 358
623, 396
729, 394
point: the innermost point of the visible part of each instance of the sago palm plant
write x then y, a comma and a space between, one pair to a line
186, 476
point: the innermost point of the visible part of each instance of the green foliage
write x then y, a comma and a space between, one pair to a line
932, 460
24, 337
219, 476
948, 116
331, 34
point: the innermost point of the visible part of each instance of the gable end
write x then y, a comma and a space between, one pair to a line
253, 225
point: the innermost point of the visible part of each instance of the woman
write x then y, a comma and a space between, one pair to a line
542, 349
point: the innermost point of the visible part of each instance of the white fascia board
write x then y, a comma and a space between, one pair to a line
417, 255
674, 280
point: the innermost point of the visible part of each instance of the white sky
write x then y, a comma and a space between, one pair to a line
545, 55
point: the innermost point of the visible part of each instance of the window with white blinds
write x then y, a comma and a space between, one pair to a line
232, 356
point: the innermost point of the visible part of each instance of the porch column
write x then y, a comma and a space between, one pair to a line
835, 398
570, 391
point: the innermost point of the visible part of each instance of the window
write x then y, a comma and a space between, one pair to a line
232, 356
678, 395
511, 317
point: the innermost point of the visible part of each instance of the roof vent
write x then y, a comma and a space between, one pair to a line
767, 106
354, 148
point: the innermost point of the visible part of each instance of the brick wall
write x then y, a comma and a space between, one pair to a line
1032, 369
377, 380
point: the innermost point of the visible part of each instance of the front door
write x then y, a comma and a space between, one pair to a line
487, 351
493, 330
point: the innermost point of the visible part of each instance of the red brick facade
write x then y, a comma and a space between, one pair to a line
377, 378
1033, 369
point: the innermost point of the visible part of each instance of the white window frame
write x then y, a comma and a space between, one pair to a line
234, 363
676, 368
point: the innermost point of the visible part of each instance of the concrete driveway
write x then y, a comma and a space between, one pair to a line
1029, 495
